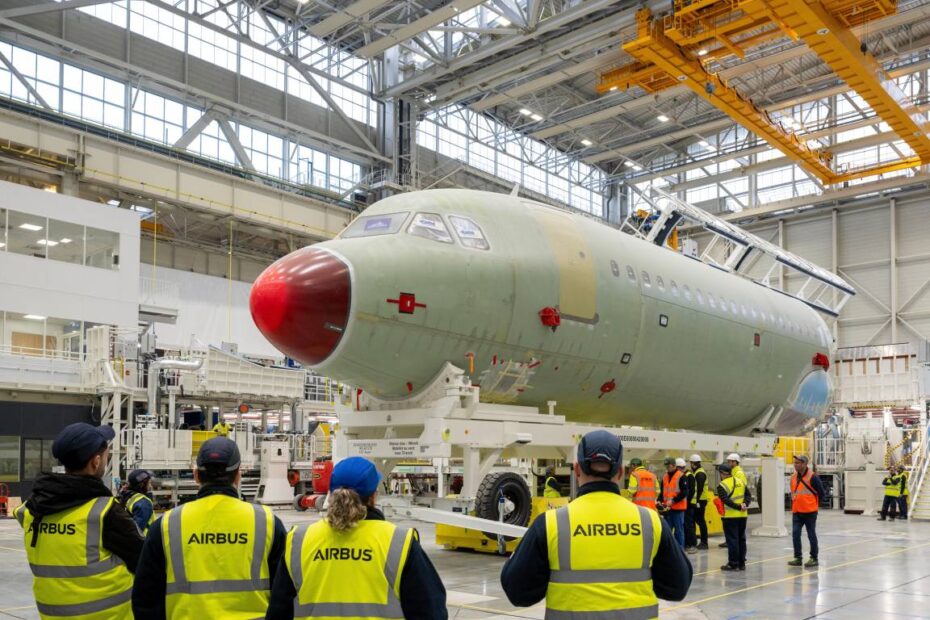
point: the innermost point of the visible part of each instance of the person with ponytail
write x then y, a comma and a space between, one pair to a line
353, 563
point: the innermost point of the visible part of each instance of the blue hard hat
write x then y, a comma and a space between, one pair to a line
355, 473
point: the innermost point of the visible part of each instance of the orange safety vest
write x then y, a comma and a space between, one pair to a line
645, 488
803, 498
670, 489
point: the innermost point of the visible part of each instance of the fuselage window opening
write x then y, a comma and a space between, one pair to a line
615, 268
646, 281
660, 283
699, 295
687, 292
469, 233
429, 226
674, 288
733, 308
710, 300
631, 273
374, 225
744, 310
723, 303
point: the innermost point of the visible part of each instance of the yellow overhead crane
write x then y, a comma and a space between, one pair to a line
677, 48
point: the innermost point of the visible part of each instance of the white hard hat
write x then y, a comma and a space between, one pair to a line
733, 457
679, 462
695, 458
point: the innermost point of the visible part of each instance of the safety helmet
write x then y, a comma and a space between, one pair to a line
695, 458
636, 462
669, 461
733, 457
679, 462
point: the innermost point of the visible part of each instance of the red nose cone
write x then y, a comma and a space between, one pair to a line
301, 304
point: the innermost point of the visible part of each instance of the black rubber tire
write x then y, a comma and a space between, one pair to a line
514, 488
297, 505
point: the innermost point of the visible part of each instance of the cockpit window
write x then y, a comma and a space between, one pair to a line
373, 225
431, 226
470, 234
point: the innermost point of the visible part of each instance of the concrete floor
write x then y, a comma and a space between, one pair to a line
868, 570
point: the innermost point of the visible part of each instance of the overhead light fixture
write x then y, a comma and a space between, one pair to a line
47, 242
702, 52
503, 21
525, 112
51, 188
637, 167
628, 164
34, 317
536, 117
614, 88
814, 144
705, 144
662, 118
64, 240
30, 227
587, 142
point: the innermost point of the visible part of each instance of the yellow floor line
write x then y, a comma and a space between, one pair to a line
18, 608
793, 577
785, 557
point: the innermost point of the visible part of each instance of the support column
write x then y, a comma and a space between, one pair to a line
773, 499
835, 264
893, 275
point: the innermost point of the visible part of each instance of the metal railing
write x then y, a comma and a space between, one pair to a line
55, 354
153, 292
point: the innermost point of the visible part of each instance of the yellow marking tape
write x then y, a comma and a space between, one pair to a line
793, 577
785, 557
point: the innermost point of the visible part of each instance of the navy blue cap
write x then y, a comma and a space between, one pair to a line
219, 451
724, 469
356, 473
139, 476
78, 442
600, 447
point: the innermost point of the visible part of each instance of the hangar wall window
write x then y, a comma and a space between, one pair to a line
429, 226
374, 225
9, 459
37, 457
40, 237
469, 233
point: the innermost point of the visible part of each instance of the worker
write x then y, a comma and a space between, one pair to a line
892, 484
552, 487
905, 492
597, 557
735, 497
381, 571
733, 460
643, 485
697, 503
221, 428
137, 498
674, 502
214, 556
81, 544
806, 490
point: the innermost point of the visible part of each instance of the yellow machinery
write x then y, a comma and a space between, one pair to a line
788, 447
681, 49
452, 537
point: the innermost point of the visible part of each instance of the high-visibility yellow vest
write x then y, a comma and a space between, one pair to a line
740, 475
601, 548
706, 495
736, 492
221, 429
893, 489
351, 574
905, 479
216, 551
549, 491
135, 499
74, 575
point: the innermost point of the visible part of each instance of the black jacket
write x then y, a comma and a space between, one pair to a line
148, 591
525, 576
422, 595
53, 493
